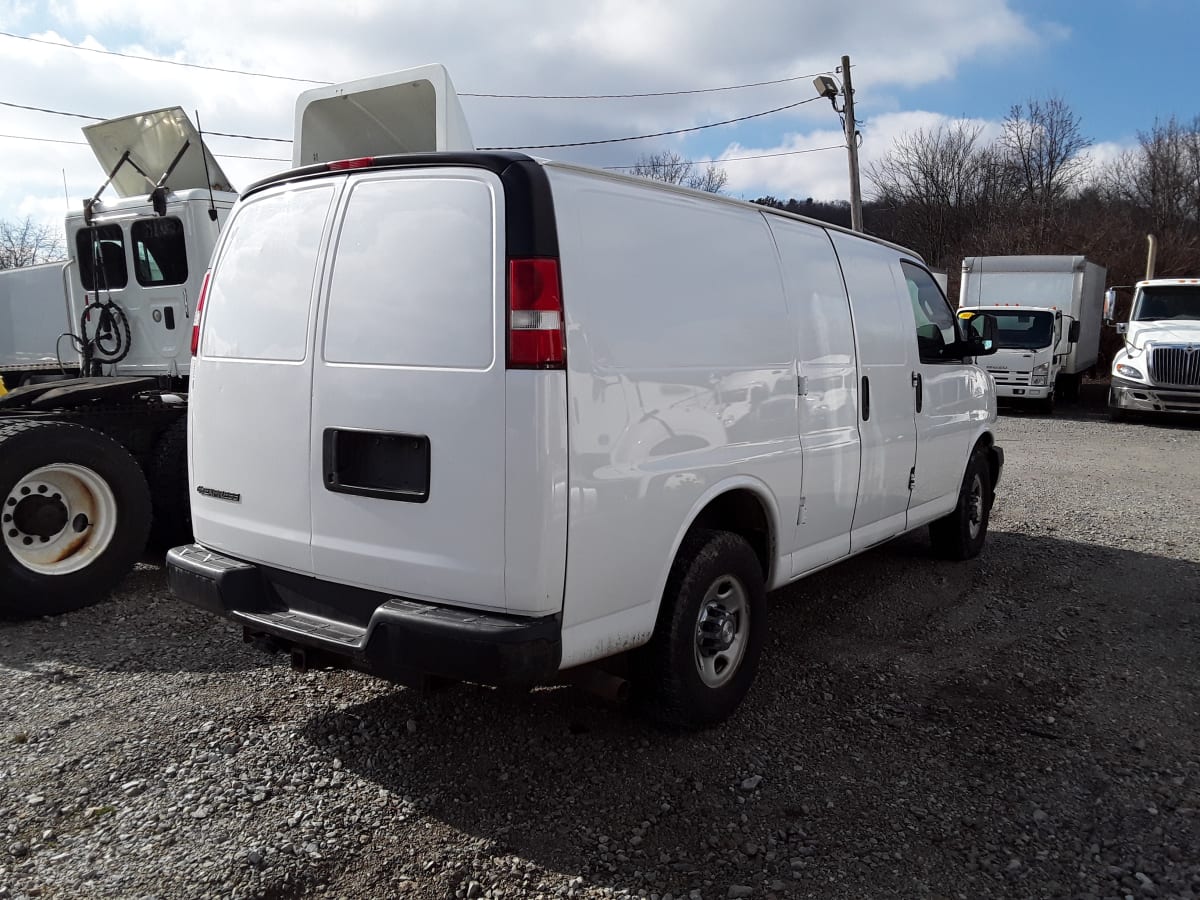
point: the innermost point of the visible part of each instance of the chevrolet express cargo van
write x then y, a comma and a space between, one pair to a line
482, 417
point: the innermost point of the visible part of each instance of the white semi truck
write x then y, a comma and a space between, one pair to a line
1047, 311
1158, 368
95, 353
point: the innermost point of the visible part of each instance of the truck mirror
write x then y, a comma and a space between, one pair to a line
1073, 333
1110, 305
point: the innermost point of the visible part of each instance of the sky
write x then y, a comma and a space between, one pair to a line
1121, 66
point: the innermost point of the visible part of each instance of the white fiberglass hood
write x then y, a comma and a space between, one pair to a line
153, 139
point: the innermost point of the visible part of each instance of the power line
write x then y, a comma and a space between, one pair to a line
732, 87
172, 62
642, 137
24, 137
703, 162
59, 112
168, 62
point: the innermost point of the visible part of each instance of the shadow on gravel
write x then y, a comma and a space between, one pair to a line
908, 715
140, 628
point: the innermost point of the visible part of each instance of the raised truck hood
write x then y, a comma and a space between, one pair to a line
153, 139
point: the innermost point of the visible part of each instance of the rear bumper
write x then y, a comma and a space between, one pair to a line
395, 638
1135, 396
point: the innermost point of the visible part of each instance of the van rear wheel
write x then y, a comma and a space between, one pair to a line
702, 659
960, 534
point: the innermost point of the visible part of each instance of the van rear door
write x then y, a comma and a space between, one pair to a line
251, 382
407, 444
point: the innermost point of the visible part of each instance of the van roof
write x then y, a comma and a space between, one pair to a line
498, 161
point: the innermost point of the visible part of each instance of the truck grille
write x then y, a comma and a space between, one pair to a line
1009, 378
1176, 366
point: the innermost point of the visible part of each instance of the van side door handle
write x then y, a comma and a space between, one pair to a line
866, 398
919, 388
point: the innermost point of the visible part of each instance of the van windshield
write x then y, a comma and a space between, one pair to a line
1168, 302
1024, 331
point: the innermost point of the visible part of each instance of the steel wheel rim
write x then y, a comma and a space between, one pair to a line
722, 631
975, 507
58, 519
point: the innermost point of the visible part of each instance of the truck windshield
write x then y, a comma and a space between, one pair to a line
1024, 330
1168, 302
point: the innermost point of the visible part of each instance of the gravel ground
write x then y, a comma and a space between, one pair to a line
1023, 725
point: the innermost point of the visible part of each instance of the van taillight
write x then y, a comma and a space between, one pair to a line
362, 162
199, 306
535, 315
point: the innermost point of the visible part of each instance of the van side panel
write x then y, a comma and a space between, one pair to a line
828, 371
886, 346
677, 331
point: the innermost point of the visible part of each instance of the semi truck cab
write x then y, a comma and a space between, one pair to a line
1158, 368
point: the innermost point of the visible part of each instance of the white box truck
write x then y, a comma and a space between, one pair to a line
477, 416
1047, 311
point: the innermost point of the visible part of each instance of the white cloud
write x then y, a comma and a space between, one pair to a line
539, 46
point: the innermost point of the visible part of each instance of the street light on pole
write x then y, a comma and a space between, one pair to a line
828, 87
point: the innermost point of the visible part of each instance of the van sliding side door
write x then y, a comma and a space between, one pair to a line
886, 418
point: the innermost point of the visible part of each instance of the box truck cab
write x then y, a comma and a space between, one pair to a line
1047, 311
1158, 367
484, 417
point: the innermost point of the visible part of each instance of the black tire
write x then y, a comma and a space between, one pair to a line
168, 477
961, 534
93, 537
1046, 405
715, 577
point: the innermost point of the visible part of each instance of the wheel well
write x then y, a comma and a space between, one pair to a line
987, 443
741, 512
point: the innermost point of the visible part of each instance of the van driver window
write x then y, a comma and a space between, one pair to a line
936, 331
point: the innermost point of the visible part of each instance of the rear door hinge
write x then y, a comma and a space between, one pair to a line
801, 518
802, 385
912, 478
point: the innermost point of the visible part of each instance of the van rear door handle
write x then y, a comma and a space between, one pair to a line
866, 398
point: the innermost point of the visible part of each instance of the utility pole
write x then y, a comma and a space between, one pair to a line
856, 219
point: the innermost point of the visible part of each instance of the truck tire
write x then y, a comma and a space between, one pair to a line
75, 510
960, 534
168, 477
711, 629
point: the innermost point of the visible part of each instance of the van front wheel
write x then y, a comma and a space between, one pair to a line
710, 632
961, 533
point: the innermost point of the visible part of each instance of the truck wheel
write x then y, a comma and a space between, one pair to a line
74, 508
961, 533
710, 633
168, 477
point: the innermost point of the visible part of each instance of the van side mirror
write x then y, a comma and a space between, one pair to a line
1073, 333
1110, 305
980, 333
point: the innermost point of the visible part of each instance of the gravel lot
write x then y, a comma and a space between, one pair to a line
1025, 725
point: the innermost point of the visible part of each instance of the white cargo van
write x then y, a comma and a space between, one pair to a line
482, 417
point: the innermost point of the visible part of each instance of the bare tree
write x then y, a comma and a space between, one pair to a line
936, 185
1044, 144
27, 243
672, 168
